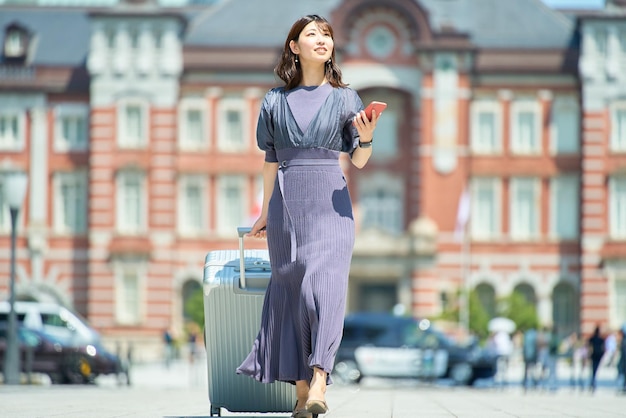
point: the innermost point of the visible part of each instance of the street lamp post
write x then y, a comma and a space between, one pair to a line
15, 184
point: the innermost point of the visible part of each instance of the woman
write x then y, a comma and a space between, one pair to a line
306, 214
596, 352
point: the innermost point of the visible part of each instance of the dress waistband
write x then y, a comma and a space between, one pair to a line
308, 162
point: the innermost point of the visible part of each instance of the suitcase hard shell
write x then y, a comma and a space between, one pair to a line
232, 315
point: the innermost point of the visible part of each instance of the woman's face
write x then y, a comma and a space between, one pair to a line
313, 44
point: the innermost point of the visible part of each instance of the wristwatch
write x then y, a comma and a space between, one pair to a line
366, 144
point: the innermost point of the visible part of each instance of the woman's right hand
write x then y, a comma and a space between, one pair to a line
259, 229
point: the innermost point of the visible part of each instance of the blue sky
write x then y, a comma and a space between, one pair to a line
575, 4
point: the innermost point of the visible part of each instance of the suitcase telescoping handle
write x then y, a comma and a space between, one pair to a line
242, 231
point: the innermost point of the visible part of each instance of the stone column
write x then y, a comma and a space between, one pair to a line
38, 189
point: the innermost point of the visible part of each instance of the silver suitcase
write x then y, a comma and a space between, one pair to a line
234, 287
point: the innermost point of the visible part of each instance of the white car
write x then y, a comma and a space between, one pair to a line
53, 319
383, 345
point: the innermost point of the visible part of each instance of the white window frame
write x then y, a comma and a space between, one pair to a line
15, 43
222, 206
73, 110
78, 178
184, 228
138, 268
617, 220
617, 279
5, 213
486, 106
122, 226
515, 232
495, 184
556, 201
517, 107
225, 105
19, 142
559, 106
617, 143
388, 217
193, 104
123, 139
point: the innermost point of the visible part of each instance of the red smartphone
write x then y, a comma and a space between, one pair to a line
377, 106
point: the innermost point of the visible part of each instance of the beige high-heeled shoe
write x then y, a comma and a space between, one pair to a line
300, 413
316, 407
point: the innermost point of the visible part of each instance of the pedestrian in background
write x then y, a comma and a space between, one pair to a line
501, 344
551, 380
543, 339
621, 364
578, 355
307, 214
596, 352
168, 343
610, 349
529, 352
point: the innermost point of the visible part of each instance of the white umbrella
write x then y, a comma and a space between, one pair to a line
501, 324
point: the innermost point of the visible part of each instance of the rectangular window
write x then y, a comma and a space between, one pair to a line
617, 207
485, 208
232, 208
192, 211
387, 132
5, 215
620, 301
129, 301
565, 135
11, 131
565, 207
71, 127
70, 203
485, 131
14, 44
618, 127
132, 124
131, 203
526, 135
386, 137
600, 37
232, 132
524, 208
381, 206
192, 122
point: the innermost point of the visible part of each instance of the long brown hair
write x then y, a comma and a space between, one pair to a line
290, 72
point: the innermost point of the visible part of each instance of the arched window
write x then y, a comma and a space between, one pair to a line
487, 296
527, 291
190, 287
565, 308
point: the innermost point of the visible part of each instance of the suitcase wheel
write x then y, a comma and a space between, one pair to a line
216, 411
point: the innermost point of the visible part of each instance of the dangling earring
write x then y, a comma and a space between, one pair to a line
329, 61
297, 59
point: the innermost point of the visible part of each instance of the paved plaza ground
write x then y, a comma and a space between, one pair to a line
180, 391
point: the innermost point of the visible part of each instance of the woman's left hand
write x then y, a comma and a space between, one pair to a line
364, 126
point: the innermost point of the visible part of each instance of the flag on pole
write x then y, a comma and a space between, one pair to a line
462, 215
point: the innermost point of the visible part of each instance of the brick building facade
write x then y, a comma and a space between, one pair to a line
136, 128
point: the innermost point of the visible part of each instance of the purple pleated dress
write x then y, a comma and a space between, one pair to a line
310, 236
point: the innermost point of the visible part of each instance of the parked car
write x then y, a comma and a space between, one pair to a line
62, 361
383, 345
53, 319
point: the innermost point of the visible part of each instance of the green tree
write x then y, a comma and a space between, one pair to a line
514, 306
478, 316
520, 310
194, 308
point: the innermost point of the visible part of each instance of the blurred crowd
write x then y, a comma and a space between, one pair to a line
540, 350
